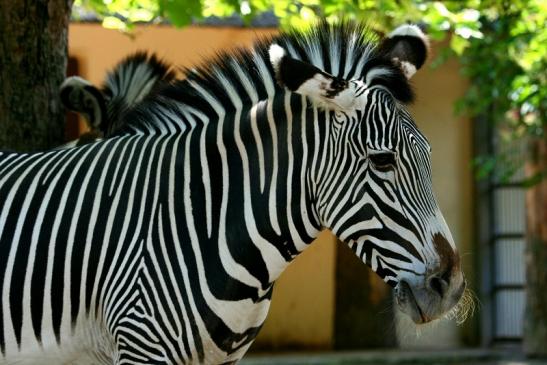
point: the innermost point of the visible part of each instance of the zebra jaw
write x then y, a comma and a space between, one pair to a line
409, 305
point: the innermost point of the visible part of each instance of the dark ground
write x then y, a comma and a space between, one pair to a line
393, 357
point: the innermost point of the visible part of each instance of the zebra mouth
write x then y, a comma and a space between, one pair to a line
409, 305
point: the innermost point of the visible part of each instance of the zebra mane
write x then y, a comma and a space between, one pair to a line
133, 78
348, 50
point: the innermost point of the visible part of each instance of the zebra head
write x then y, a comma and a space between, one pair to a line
373, 189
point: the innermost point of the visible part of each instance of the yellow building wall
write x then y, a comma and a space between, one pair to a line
99, 49
302, 311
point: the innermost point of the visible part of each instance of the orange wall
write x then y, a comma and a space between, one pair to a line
99, 49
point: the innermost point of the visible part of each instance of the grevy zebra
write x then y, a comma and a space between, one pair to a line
162, 248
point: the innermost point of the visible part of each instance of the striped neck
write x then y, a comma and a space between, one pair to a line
259, 161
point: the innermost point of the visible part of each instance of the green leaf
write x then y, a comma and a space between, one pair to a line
458, 44
111, 22
182, 12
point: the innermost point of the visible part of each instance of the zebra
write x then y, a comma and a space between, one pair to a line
132, 79
161, 245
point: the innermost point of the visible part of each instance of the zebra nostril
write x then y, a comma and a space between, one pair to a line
439, 285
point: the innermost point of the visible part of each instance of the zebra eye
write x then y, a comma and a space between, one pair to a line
383, 161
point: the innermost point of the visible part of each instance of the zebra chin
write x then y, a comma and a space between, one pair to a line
426, 298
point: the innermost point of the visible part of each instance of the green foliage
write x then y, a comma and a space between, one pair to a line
502, 44
122, 14
507, 69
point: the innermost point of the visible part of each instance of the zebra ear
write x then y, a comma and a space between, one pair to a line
305, 79
407, 47
80, 96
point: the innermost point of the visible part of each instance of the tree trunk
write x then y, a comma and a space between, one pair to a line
33, 56
535, 328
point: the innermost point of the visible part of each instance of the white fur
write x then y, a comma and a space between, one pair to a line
376, 72
276, 55
74, 81
408, 68
317, 88
90, 345
411, 30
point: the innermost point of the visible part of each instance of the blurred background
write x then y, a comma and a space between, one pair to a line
481, 102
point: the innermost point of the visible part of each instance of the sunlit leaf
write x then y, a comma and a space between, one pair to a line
111, 22
459, 44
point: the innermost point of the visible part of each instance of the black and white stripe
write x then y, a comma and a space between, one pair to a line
161, 244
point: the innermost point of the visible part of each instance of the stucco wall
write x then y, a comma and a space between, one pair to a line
99, 49
303, 301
